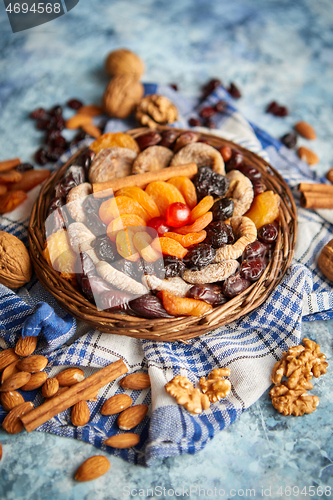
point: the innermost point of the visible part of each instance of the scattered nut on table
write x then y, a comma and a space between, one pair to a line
216, 386
15, 263
124, 62
156, 110
325, 260
186, 395
122, 95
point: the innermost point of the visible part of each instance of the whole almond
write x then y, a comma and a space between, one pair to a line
50, 387
78, 120
15, 381
92, 468
307, 155
7, 356
36, 380
305, 130
8, 371
25, 346
70, 376
92, 130
80, 414
329, 175
126, 440
12, 422
131, 417
90, 110
10, 399
116, 404
135, 381
33, 364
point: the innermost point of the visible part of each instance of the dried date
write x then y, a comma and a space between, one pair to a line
212, 294
149, 306
235, 285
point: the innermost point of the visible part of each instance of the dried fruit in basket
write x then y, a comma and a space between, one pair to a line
114, 207
115, 139
187, 189
169, 246
122, 222
202, 208
179, 306
264, 208
187, 240
142, 198
164, 194
125, 246
197, 226
142, 242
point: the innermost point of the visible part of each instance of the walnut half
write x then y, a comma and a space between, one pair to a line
186, 395
216, 386
155, 110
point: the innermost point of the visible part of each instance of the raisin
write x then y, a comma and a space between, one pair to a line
275, 109
53, 154
219, 234
223, 209
194, 122
173, 266
37, 113
149, 306
105, 249
207, 112
235, 285
234, 91
253, 269
24, 167
74, 104
289, 140
199, 256
212, 294
268, 233
208, 182
208, 122
41, 156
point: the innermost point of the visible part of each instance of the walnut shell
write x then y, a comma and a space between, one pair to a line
15, 263
122, 95
123, 61
156, 110
325, 260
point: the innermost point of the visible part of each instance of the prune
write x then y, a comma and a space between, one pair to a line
113, 300
173, 266
209, 87
219, 234
268, 233
234, 91
235, 285
149, 306
96, 226
149, 139
258, 186
55, 203
85, 159
235, 161
208, 182
199, 256
255, 250
275, 109
212, 294
93, 286
127, 267
76, 174
194, 122
144, 267
251, 172
207, 112
252, 269
74, 104
223, 209
289, 140
168, 138
105, 248
24, 167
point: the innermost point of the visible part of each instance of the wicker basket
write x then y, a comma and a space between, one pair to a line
180, 328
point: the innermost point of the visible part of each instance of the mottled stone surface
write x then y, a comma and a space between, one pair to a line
273, 50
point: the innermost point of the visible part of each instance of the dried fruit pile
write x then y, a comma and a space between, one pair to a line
167, 245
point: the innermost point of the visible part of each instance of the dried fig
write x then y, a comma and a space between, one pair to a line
152, 158
201, 154
15, 264
111, 163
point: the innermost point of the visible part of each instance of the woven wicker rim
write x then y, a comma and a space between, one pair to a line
180, 328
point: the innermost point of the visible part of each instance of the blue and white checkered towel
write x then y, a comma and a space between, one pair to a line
249, 346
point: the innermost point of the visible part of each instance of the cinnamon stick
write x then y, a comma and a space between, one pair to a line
8, 164
81, 391
316, 188
313, 200
103, 189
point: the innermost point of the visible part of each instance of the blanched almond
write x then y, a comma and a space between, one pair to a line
92, 468
15, 381
70, 376
306, 130
116, 404
80, 414
307, 155
33, 364
131, 417
7, 356
25, 346
50, 387
36, 380
10, 399
9, 371
12, 422
135, 381
126, 440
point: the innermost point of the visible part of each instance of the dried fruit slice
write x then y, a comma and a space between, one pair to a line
11, 200
114, 207
142, 242
187, 240
125, 247
142, 198
197, 226
122, 222
168, 246
264, 208
178, 306
187, 189
202, 208
164, 194
115, 139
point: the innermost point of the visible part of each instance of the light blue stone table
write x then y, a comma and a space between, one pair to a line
273, 50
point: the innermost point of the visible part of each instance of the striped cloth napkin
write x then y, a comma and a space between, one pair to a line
249, 347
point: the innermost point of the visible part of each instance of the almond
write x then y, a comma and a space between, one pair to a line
116, 404
307, 155
7, 357
92, 468
80, 414
92, 130
135, 381
78, 120
12, 422
33, 364
90, 110
131, 417
70, 376
15, 381
8, 371
36, 380
25, 346
126, 440
50, 387
10, 399
305, 130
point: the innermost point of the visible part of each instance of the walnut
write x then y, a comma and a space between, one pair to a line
156, 110
15, 263
325, 260
122, 95
216, 386
186, 395
124, 62
292, 401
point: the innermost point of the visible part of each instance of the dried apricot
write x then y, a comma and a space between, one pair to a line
197, 226
11, 200
30, 179
187, 240
65, 262
56, 244
179, 306
142, 242
264, 208
202, 208
168, 246
122, 222
125, 247
115, 139
114, 207
187, 189
164, 194
142, 198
